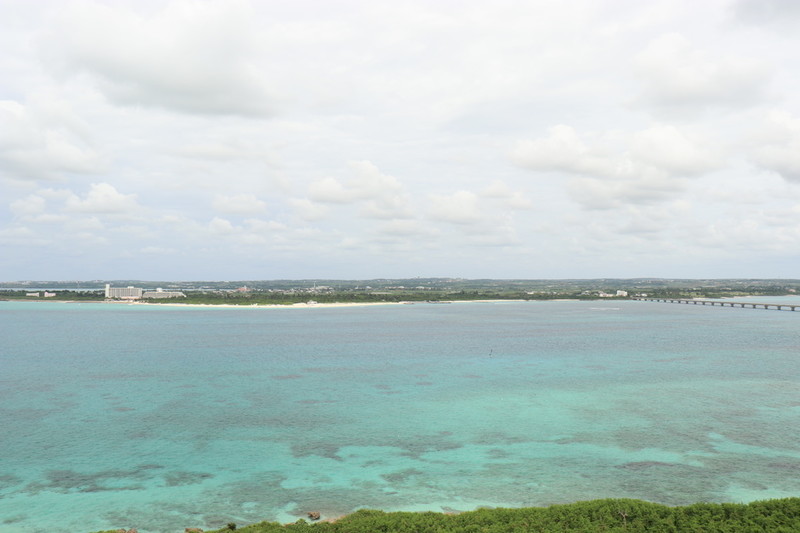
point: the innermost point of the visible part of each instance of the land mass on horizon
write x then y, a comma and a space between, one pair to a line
328, 291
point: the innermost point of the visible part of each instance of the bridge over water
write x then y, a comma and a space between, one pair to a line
723, 303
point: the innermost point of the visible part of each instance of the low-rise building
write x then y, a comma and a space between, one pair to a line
161, 293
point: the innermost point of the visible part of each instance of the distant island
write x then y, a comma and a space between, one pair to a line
326, 291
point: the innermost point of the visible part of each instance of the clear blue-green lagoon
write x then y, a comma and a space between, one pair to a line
161, 418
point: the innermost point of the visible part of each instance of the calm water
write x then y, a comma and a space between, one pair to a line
163, 418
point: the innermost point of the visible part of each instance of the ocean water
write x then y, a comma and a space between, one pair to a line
162, 418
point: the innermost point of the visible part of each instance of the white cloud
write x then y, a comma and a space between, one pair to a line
38, 145
650, 167
28, 206
265, 226
370, 181
18, 235
562, 149
405, 228
653, 223
518, 201
329, 190
91, 223
381, 195
48, 219
221, 226
458, 208
367, 183
389, 131
675, 73
660, 148
157, 250
308, 210
676, 151
195, 57
499, 190
239, 204
103, 198
388, 207
777, 147
747, 234
782, 158
781, 14
503, 235
645, 189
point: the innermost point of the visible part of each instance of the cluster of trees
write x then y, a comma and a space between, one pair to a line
88, 296
264, 298
611, 515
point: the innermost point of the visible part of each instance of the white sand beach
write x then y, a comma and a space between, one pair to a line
301, 305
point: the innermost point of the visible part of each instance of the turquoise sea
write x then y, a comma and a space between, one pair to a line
162, 418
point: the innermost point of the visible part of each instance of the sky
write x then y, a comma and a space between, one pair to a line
266, 139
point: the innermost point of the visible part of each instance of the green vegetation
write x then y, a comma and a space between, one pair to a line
287, 292
773, 516
60, 295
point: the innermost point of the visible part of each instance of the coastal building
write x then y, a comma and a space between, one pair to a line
618, 294
137, 293
36, 294
123, 293
161, 293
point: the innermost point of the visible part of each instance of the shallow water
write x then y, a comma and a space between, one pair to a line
161, 418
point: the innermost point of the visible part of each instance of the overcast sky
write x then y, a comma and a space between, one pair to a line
271, 139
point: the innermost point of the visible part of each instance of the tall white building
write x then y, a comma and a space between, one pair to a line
126, 293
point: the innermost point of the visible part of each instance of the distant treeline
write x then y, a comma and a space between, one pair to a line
266, 293
288, 298
726, 286
267, 298
771, 516
59, 295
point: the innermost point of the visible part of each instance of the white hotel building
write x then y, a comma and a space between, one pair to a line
126, 293
137, 293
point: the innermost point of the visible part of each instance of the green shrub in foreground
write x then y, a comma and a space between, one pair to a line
773, 516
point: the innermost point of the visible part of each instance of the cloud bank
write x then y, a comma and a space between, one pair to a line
240, 139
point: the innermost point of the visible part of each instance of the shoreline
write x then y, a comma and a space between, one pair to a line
298, 305
306, 305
